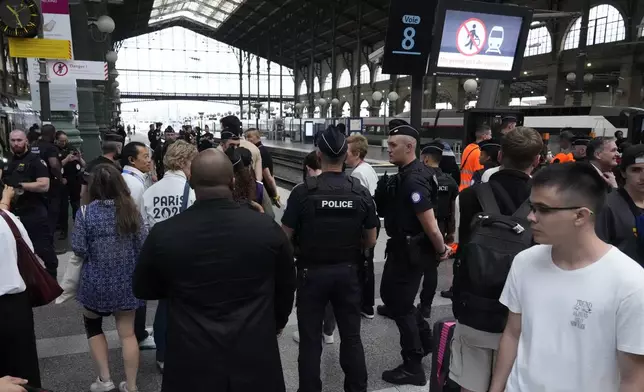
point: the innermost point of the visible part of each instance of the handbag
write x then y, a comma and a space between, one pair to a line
42, 288
71, 279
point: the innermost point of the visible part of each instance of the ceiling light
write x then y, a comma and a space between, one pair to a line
589, 64
525, 72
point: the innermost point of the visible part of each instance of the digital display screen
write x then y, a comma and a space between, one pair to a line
479, 41
308, 128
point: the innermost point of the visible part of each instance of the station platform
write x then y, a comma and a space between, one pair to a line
376, 155
66, 365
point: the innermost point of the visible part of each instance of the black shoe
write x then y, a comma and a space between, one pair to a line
383, 311
425, 311
428, 343
367, 312
401, 376
62, 236
447, 294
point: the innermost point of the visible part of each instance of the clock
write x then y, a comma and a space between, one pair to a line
19, 18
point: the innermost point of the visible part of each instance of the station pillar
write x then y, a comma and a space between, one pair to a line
556, 89
629, 91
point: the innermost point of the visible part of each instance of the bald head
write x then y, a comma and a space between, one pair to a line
18, 141
211, 174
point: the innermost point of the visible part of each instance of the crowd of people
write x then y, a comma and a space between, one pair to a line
548, 288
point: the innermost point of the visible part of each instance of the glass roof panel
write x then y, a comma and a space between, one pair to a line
208, 12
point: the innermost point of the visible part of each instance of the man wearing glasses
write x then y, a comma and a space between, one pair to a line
474, 350
576, 303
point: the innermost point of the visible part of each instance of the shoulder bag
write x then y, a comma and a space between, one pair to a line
71, 279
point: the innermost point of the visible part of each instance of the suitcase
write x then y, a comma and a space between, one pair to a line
439, 378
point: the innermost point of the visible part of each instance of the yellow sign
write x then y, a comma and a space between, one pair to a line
53, 49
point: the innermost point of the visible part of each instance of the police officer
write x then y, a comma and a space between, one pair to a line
28, 174
73, 163
431, 156
169, 136
48, 152
414, 240
334, 219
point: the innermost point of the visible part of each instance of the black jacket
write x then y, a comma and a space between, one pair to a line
227, 273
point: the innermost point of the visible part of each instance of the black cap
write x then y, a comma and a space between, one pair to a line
169, 129
490, 145
332, 142
436, 147
580, 141
406, 130
231, 124
632, 155
396, 122
112, 137
508, 119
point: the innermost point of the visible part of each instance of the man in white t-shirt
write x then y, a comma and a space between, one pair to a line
363, 172
576, 304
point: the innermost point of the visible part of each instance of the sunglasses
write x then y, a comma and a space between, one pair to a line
544, 209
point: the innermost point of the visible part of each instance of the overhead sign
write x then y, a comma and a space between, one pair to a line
409, 35
68, 71
63, 97
40, 48
479, 39
56, 24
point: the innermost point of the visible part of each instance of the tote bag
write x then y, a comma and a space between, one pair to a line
71, 279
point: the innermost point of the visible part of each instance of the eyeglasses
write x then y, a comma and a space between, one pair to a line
544, 209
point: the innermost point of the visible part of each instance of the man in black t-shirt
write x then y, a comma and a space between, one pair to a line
73, 164
111, 146
49, 153
169, 136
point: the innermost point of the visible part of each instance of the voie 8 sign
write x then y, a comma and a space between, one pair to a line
408, 39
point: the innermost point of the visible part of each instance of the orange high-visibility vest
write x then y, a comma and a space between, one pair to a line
469, 164
563, 158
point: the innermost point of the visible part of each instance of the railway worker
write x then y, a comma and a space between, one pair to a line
470, 156
27, 173
415, 240
431, 156
565, 144
328, 263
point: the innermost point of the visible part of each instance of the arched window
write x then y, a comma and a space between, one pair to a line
303, 88
316, 85
345, 79
346, 110
605, 24
539, 40
365, 74
379, 76
364, 108
328, 82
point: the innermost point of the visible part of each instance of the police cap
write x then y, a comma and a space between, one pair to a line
405, 130
490, 145
332, 142
435, 147
580, 141
508, 119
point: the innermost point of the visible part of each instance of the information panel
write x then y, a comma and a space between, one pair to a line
483, 40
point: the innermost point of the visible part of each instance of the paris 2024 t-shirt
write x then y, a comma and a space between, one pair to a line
574, 322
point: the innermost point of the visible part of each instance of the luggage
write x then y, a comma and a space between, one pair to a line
439, 378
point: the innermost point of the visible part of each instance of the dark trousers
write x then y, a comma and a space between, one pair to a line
161, 329
53, 206
139, 324
68, 196
328, 325
398, 288
18, 355
36, 222
368, 280
430, 283
338, 284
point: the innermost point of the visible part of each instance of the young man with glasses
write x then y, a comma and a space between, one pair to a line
473, 350
584, 332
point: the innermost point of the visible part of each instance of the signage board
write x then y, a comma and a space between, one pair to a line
355, 126
479, 39
409, 37
62, 97
40, 48
68, 71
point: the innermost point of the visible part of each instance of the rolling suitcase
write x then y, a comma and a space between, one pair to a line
439, 378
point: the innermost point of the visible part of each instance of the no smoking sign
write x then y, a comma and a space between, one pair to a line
60, 69
471, 36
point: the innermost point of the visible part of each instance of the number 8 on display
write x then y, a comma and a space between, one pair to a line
408, 41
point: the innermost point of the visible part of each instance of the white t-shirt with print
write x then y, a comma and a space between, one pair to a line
574, 322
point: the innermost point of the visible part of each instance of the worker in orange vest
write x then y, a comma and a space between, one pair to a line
470, 156
565, 143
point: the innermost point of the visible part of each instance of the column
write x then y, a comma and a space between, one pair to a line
629, 92
504, 95
240, 62
355, 108
334, 77
582, 55
268, 65
556, 90
87, 132
461, 96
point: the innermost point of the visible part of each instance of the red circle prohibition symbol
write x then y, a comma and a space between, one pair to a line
478, 47
60, 69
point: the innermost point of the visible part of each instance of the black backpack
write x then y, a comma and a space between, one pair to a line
484, 261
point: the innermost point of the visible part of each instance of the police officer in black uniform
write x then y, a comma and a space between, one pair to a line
431, 156
48, 152
333, 218
73, 164
414, 241
28, 174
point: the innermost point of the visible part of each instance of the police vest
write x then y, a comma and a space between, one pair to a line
331, 226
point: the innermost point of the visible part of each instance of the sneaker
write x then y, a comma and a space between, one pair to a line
383, 311
447, 294
328, 339
160, 366
296, 336
367, 312
102, 386
123, 387
402, 376
147, 344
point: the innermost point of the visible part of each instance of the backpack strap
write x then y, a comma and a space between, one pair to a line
311, 183
523, 211
501, 193
486, 198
